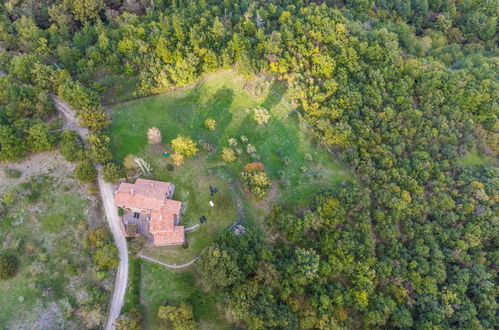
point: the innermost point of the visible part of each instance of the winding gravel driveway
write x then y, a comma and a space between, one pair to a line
107, 196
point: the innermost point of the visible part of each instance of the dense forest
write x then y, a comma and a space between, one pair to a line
400, 90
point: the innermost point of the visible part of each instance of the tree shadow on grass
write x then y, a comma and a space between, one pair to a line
275, 94
218, 108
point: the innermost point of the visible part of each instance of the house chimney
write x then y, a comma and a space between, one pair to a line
152, 184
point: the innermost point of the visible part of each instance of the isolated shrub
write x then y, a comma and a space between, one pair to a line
250, 149
210, 124
228, 155
106, 256
239, 151
129, 162
85, 171
232, 142
99, 236
207, 146
10, 197
12, 173
71, 146
154, 135
120, 212
185, 146
8, 266
257, 182
244, 139
261, 115
308, 157
170, 167
178, 159
111, 172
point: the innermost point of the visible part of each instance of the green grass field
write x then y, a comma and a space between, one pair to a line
174, 286
45, 225
297, 168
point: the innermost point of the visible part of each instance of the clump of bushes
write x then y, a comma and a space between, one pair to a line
256, 180
12, 173
105, 254
8, 266
261, 115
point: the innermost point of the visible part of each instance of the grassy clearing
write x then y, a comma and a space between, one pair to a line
474, 158
45, 225
174, 286
297, 168
283, 145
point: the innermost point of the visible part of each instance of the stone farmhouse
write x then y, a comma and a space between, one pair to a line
150, 211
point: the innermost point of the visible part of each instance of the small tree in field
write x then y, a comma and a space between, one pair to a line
228, 155
154, 135
210, 124
178, 159
184, 146
85, 171
261, 115
8, 266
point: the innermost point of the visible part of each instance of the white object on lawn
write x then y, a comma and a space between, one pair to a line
212, 204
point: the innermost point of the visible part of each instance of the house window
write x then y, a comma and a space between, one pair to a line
136, 215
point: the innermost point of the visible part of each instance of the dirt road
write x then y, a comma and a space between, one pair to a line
107, 196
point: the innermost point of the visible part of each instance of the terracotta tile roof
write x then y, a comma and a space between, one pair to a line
152, 195
171, 237
144, 194
161, 221
171, 206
